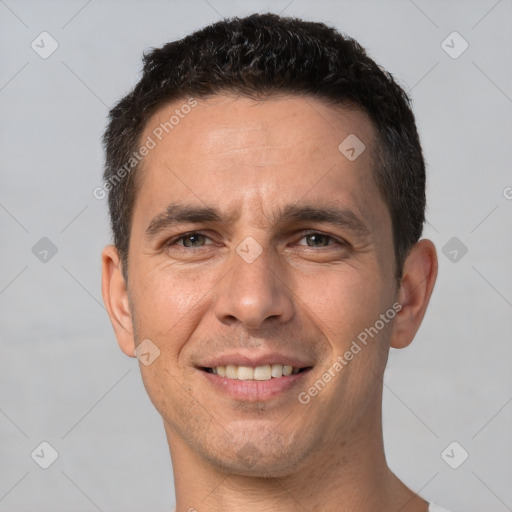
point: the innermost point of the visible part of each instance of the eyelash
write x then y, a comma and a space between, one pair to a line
304, 234
185, 235
334, 240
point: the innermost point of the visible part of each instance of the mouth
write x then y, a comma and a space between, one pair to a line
255, 373
249, 377
257, 382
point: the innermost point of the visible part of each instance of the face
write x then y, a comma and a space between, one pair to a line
256, 243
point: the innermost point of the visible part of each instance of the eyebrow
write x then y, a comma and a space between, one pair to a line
343, 218
177, 213
182, 213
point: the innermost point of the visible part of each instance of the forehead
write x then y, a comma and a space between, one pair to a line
243, 153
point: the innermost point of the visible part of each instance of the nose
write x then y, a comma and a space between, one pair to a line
254, 294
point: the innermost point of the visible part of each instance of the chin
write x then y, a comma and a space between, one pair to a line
260, 454
266, 467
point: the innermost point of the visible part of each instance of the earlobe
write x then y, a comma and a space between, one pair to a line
418, 279
115, 296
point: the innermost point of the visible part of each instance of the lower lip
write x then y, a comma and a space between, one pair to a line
254, 390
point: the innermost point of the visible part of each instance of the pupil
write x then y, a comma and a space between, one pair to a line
192, 240
317, 240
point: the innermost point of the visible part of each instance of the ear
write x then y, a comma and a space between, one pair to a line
418, 279
115, 296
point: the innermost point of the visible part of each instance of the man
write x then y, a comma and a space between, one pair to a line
267, 195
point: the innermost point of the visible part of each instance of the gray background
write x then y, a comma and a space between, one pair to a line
63, 379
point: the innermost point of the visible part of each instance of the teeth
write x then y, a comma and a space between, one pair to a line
231, 371
245, 373
264, 372
277, 370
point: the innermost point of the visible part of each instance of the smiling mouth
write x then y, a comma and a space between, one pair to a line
258, 373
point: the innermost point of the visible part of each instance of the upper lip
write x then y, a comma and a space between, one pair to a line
253, 360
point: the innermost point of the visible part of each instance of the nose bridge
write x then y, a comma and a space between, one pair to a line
253, 293
252, 264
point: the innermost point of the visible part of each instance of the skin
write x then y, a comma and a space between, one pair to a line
303, 295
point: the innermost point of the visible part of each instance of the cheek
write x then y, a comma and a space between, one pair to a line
349, 301
167, 308
167, 304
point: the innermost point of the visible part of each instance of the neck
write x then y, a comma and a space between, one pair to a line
342, 475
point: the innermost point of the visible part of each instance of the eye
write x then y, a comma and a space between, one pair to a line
317, 240
191, 240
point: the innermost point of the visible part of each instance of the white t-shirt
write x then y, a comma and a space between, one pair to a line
436, 508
